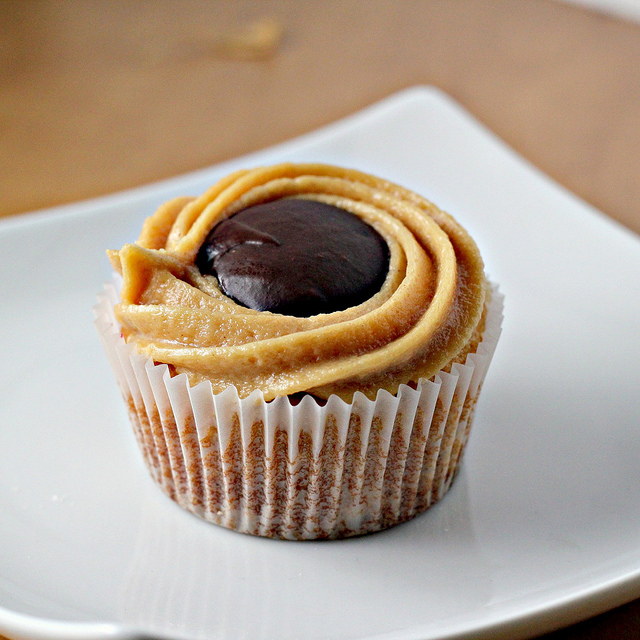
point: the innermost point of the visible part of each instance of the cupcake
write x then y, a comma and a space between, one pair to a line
301, 350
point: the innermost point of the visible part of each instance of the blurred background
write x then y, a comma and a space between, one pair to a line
98, 96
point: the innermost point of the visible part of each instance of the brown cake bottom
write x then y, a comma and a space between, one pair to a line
299, 471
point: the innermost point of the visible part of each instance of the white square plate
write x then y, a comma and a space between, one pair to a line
541, 528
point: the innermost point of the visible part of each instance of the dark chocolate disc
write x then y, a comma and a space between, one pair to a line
295, 257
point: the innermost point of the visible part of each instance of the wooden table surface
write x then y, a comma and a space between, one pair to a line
102, 95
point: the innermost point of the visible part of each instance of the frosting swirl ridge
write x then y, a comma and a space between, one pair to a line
427, 314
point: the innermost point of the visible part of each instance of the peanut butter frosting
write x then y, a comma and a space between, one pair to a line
427, 314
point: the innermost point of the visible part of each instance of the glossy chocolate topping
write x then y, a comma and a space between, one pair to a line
295, 257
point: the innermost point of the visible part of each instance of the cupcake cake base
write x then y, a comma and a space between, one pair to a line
303, 470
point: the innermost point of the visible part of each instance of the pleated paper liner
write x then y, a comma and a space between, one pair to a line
298, 471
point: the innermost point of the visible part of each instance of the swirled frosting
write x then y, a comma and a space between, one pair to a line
427, 314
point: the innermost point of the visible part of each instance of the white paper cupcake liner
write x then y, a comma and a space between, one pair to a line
301, 471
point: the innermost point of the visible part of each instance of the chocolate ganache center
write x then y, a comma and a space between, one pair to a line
295, 257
